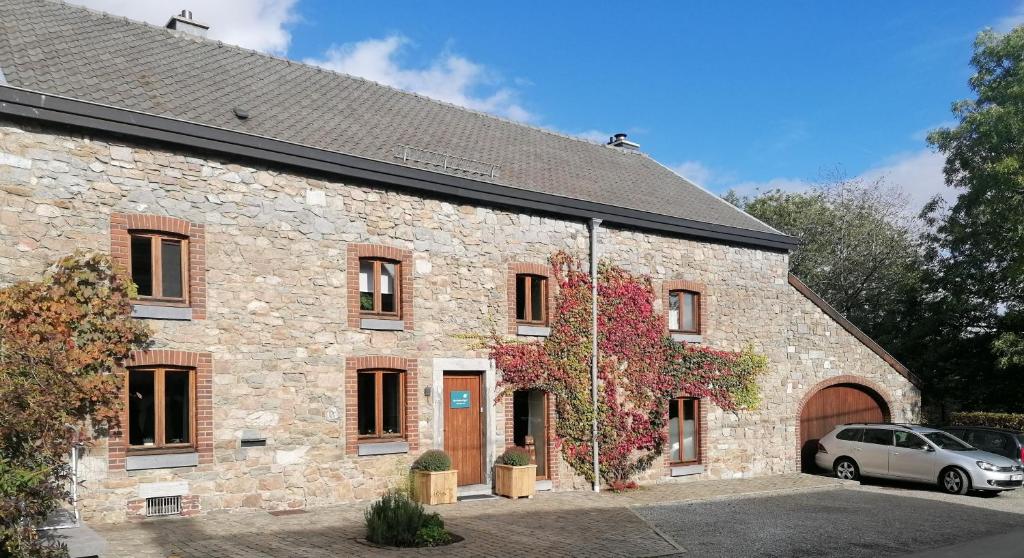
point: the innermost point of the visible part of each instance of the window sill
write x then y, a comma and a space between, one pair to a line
533, 331
161, 461
383, 448
688, 337
686, 470
161, 312
381, 324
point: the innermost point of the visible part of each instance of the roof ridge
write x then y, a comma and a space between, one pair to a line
128, 21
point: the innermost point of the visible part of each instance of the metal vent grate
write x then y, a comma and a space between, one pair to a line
163, 505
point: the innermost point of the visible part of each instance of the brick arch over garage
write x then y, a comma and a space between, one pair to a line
854, 399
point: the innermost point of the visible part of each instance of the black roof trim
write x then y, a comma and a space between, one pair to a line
61, 110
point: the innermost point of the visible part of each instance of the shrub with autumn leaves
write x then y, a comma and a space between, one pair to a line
639, 369
61, 340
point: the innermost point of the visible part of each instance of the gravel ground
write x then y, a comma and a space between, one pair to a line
850, 523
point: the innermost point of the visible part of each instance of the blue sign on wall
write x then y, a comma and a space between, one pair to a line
459, 399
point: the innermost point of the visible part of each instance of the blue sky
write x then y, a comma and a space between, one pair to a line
733, 95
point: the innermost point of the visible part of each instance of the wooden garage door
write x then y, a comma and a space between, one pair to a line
831, 407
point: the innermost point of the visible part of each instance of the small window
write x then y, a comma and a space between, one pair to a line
161, 408
379, 287
909, 440
158, 267
381, 403
684, 430
684, 311
878, 436
531, 299
850, 434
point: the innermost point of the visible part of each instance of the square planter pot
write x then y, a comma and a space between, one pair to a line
515, 482
436, 487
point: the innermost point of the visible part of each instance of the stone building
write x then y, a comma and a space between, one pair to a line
308, 247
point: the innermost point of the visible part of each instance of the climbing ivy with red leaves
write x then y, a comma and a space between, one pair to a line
639, 369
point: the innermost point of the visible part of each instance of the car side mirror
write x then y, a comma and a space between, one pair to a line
928, 448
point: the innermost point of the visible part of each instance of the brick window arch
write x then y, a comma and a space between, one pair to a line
384, 263
174, 252
683, 289
157, 362
375, 369
534, 277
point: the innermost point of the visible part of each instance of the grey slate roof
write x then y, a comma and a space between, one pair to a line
73, 52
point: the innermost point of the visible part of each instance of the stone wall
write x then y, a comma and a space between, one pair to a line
277, 311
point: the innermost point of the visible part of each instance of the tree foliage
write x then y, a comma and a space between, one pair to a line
61, 339
639, 369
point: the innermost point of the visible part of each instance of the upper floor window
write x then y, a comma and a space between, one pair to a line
159, 266
381, 403
531, 299
379, 282
161, 408
684, 311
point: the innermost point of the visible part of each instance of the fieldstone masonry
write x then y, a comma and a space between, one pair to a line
277, 319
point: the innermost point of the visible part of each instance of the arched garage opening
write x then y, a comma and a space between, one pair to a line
832, 405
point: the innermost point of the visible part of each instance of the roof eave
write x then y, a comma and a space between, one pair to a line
23, 103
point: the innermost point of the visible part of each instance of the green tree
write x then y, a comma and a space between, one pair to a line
979, 241
61, 340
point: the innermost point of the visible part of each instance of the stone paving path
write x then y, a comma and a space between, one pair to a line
550, 524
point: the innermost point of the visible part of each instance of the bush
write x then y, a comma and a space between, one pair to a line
623, 486
1010, 421
433, 460
516, 457
432, 532
394, 520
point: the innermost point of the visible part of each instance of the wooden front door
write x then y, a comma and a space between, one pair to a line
463, 425
831, 407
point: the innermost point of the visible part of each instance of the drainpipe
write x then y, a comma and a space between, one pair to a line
594, 224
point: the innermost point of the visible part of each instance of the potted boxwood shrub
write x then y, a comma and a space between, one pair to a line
434, 481
514, 475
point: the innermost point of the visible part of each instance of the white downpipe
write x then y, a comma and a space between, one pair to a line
594, 225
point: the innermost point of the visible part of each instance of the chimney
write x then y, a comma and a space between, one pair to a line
184, 23
619, 140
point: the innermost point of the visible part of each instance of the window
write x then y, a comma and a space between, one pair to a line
684, 430
909, 440
531, 299
158, 267
878, 436
161, 408
684, 311
378, 287
850, 434
381, 403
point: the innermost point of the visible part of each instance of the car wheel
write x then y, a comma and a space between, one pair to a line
954, 481
846, 469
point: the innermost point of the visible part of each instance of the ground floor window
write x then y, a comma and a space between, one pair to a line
684, 430
530, 426
381, 403
161, 407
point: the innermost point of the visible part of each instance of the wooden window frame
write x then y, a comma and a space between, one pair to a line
159, 411
156, 264
697, 433
379, 406
678, 327
376, 312
528, 287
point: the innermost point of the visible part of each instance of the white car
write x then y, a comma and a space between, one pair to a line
915, 453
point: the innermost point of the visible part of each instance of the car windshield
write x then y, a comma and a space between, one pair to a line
947, 442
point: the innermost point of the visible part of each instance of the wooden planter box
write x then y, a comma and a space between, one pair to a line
515, 482
438, 487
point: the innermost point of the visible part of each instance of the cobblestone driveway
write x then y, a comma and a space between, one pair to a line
553, 524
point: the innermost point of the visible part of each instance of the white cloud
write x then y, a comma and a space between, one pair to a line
694, 171
256, 24
752, 188
918, 174
449, 77
1008, 22
596, 136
